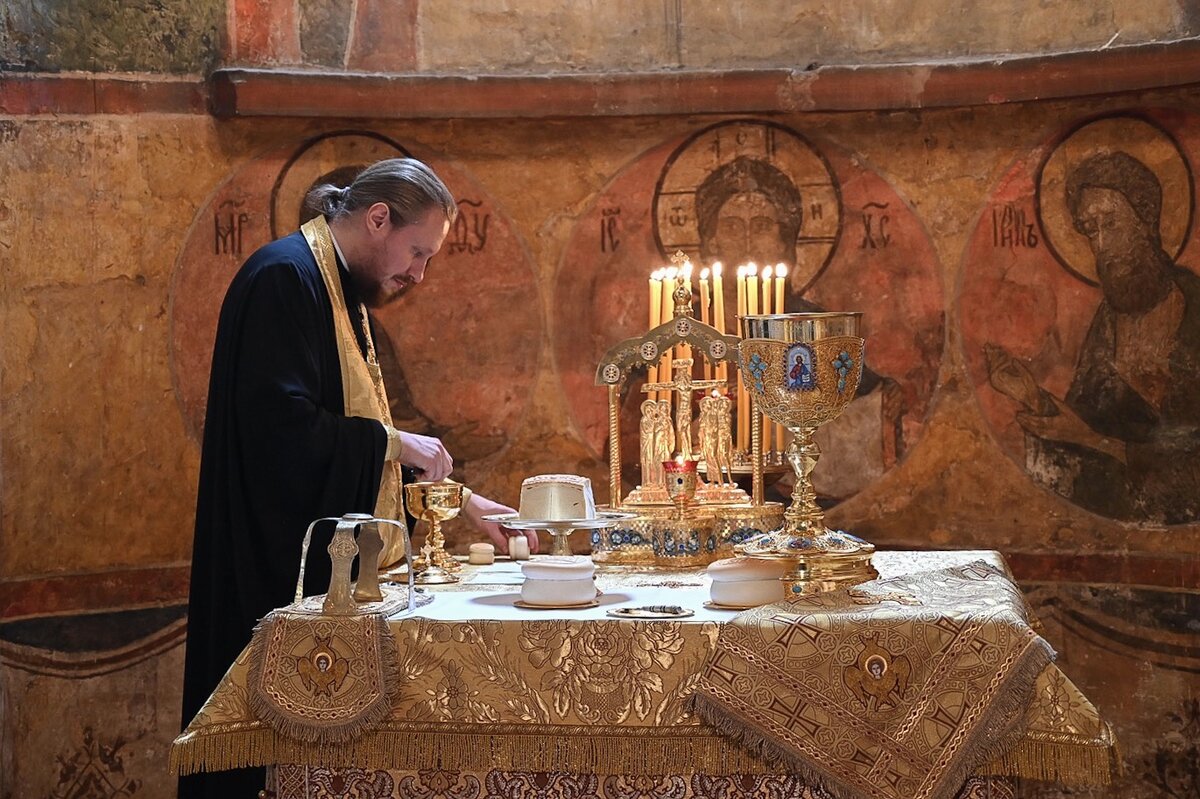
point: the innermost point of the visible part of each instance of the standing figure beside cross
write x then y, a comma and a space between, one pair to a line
684, 387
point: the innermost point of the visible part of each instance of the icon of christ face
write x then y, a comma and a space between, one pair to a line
748, 229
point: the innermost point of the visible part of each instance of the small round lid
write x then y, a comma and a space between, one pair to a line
743, 568
559, 567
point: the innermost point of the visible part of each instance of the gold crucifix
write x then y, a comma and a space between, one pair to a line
684, 387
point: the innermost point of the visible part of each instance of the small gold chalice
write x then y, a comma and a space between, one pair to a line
803, 370
681, 478
434, 503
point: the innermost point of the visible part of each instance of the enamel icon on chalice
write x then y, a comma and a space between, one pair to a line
803, 370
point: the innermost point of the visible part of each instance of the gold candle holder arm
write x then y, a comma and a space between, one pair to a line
614, 445
756, 453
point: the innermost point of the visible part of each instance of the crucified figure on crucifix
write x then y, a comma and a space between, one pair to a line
684, 387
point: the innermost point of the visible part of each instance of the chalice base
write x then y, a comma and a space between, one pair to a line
825, 572
435, 575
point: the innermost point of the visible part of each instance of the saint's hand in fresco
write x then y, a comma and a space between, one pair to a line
1125, 440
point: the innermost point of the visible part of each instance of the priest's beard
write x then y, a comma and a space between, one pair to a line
1134, 278
376, 295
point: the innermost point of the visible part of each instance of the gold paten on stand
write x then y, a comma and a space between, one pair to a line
804, 369
720, 512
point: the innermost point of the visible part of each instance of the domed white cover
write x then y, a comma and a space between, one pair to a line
558, 592
557, 497
745, 582
747, 593
736, 569
559, 567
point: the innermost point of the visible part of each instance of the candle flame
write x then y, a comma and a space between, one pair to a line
704, 273
656, 274
751, 269
671, 272
687, 270
716, 269
780, 270
767, 272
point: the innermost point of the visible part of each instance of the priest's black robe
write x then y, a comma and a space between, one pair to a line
277, 454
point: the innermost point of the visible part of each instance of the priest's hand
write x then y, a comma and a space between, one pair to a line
426, 454
478, 507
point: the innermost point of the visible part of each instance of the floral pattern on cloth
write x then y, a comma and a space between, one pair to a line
483, 692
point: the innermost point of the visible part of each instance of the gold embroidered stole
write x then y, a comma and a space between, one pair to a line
363, 392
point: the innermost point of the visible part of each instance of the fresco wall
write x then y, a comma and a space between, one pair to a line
1026, 273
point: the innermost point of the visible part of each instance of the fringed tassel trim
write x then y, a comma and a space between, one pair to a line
406, 749
1073, 763
1067, 763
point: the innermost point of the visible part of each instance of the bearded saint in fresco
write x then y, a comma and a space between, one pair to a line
1125, 440
749, 210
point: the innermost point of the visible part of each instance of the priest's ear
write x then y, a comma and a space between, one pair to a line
379, 218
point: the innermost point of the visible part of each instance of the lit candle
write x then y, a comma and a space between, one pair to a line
668, 292
668, 313
655, 317
751, 289
780, 280
719, 313
766, 289
743, 415
766, 309
704, 317
780, 283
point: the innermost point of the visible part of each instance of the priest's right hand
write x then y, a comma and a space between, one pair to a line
426, 454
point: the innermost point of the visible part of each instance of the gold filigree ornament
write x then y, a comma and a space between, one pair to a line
803, 370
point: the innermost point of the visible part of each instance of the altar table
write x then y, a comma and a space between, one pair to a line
496, 700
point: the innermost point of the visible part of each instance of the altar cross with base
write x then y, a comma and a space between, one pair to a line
684, 386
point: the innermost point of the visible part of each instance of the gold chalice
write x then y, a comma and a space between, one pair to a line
803, 370
434, 503
681, 478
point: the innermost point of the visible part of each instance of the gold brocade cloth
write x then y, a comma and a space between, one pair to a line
545, 691
317, 677
894, 689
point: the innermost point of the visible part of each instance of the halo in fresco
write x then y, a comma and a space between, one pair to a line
468, 324
329, 158
1083, 343
875, 257
745, 191
1139, 137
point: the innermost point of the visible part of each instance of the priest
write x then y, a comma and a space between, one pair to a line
297, 425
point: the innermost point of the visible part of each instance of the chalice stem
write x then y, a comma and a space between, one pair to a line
804, 516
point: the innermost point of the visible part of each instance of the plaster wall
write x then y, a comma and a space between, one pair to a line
107, 223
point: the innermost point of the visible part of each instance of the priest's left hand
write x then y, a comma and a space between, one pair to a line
478, 506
